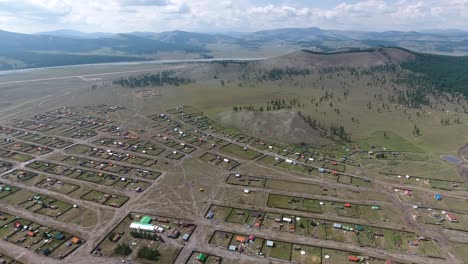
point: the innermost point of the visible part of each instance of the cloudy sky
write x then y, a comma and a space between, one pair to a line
230, 15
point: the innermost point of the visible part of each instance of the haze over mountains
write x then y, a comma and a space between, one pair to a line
68, 47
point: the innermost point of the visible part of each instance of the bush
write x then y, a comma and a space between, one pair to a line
148, 253
123, 250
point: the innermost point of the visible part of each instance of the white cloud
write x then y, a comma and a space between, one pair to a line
229, 15
144, 2
36, 8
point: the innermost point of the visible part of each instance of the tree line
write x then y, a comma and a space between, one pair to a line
158, 79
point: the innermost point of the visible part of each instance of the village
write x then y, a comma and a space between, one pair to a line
182, 188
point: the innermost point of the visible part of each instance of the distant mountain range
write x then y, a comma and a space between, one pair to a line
68, 47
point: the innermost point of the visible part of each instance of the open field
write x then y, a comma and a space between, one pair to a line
82, 156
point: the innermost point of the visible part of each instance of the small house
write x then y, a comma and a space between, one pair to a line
438, 197
347, 205
174, 233
336, 225
359, 227
452, 218
146, 220
186, 237
232, 248
375, 207
240, 239
270, 243
255, 213
59, 236
407, 192
210, 215
353, 258
202, 257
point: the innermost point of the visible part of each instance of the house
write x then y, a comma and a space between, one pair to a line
354, 258
116, 238
336, 225
174, 233
59, 236
186, 237
31, 234
232, 248
202, 257
287, 220
375, 207
186, 224
270, 243
240, 239
347, 205
76, 240
438, 197
146, 220
210, 215
322, 170
143, 227
452, 218
46, 252
255, 213
18, 225
407, 192
359, 227
347, 228
251, 238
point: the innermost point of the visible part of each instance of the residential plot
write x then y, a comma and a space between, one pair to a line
369, 212
114, 200
41, 239
240, 152
165, 235
111, 155
220, 161
282, 250
123, 183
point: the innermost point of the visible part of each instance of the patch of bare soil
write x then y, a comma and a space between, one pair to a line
280, 126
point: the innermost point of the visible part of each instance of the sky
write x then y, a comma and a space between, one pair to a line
30, 16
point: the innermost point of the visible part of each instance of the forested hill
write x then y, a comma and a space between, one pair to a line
440, 73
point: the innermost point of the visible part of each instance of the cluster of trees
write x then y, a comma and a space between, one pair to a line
446, 121
159, 79
340, 133
123, 250
272, 105
144, 235
435, 73
278, 73
275, 74
148, 253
